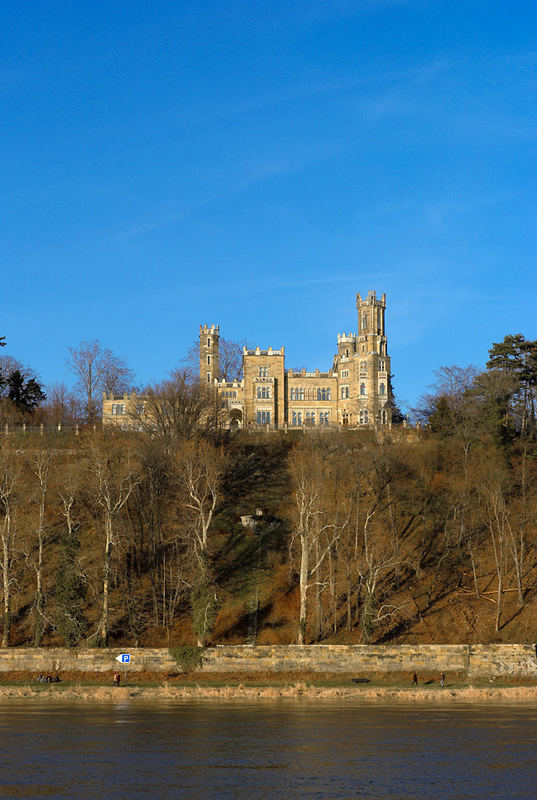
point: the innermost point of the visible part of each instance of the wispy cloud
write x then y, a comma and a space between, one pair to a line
234, 178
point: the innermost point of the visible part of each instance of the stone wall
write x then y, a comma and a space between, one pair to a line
359, 660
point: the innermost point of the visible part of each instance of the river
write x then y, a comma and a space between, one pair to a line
270, 749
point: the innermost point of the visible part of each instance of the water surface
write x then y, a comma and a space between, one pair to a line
269, 749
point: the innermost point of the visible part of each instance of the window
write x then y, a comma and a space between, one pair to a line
297, 418
208, 377
208, 341
323, 394
263, 392
263, 372
363, 390
323, 417
384, 417
364, 416
209, 360
382, 389
118, 409
344, 392
363, 366
364, 321
344, 373
345, 418
310, 417
381, 366
263, 417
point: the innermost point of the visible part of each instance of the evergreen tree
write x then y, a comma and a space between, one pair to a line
25, 393
71, 622
516, 357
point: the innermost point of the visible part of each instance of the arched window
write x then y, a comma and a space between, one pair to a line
208, 360
328, 394
208, 377
384, 417
208, 341
382, 389
364, 321
362, 389
361, 417
366, 416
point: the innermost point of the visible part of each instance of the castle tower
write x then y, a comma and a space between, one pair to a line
209, 340
346, 345
373, 390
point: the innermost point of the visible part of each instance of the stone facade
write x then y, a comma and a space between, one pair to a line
495, 660
355, 392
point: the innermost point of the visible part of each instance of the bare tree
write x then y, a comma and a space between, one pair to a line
62, 407
199, 474
179, 409
313, 533
97, 370
9, 476
40, 467
115, 474
496, 520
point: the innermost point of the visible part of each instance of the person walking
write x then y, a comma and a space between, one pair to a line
415, 679
442, 679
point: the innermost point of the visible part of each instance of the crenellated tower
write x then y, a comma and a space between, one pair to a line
373, 390
209, 366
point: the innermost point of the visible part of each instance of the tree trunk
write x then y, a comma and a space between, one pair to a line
303, 590
38, 630
106, 583
6, 547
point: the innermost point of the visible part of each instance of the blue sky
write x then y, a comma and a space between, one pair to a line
255, 164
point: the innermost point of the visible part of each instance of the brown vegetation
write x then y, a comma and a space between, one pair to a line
184, 532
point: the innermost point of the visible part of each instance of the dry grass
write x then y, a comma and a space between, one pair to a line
299, 690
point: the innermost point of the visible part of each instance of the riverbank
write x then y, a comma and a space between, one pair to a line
368, 694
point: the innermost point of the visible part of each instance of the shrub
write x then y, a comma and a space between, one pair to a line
188, 657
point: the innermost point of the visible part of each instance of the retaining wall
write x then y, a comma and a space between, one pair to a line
474, 660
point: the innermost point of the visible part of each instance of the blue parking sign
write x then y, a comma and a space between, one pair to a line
124, 658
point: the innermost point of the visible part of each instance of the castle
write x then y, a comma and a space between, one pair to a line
355, 392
